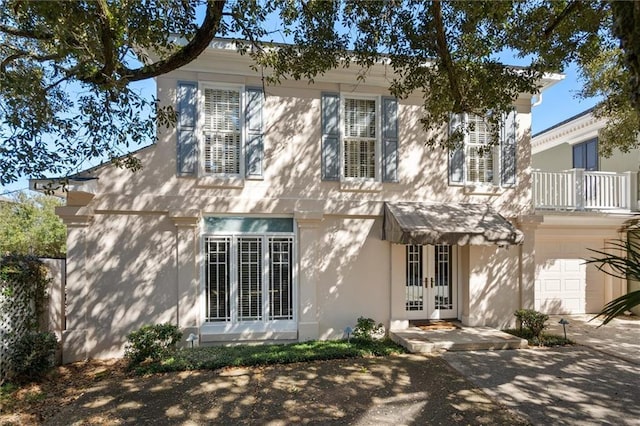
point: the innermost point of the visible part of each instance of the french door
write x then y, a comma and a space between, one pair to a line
431, 282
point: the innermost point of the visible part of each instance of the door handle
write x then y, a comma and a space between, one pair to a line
431, 282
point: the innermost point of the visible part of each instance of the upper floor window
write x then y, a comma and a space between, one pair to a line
222, 131
360, 138
479, 155
585, 155
219, 131
476, 161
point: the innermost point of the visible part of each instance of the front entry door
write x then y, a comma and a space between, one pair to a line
431, 290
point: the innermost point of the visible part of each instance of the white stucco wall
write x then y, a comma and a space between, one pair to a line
134, 248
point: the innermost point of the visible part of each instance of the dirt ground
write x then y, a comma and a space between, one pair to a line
406, 389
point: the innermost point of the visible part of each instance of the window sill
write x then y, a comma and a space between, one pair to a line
220, 182
224, 332
360, 186
482, 189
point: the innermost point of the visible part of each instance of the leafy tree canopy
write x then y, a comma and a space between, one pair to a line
29, 225
66, 68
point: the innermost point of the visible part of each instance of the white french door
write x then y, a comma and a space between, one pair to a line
431, 282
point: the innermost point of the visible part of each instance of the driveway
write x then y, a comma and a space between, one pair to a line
578, 385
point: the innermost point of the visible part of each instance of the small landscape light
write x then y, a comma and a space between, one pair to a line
564, 323
192, 338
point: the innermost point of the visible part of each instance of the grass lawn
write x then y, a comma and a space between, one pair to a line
215, 357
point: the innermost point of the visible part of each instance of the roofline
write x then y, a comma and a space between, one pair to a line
579, 128
563, 122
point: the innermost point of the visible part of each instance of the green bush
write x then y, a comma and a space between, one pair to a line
549, 340
215, 357
33, 355
152, 342
367, 329
532, 320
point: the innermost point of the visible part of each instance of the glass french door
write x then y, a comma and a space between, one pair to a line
431, 290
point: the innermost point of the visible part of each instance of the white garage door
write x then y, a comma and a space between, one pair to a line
561, 287
564, 284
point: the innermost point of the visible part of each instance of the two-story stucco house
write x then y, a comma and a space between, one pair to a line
582, 200
285, 212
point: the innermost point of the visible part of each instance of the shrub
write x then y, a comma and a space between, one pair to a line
152, 342
366, 329
532, 320
33, 355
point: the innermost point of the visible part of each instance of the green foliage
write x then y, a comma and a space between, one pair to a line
532, 320
23, 286
215, 357
33, 355
29, 225
152, 343
66, 68
621, 259
544, 339
367, 329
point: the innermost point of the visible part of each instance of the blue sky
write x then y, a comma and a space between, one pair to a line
558, 103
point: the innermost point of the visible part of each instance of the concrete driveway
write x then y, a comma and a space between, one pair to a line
578, 385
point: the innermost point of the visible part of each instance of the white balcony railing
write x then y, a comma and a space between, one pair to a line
577, 189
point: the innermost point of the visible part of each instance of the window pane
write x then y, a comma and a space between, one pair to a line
250, 279
591, 149
254, 225
360, 158
359, 143
222, 131
478, 156
579, 156
218, 279
360, 118
443, 279
414, 290
280, 278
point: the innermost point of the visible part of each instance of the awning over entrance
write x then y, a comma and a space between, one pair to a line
453, 224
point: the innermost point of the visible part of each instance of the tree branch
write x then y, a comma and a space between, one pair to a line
27, 34
24, 54
571, 7
190, 51
107, 38
445, 55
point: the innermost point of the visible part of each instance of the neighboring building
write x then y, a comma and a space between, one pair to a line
285, 212
582, 200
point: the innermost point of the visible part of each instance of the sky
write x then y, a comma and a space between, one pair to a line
559, 102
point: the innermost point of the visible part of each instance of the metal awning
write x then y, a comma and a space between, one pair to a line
453, 224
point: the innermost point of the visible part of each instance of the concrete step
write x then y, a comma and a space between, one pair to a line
460, 339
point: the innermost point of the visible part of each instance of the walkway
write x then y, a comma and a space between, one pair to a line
592, 383
619, 338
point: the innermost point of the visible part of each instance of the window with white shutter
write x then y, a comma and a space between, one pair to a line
475, 162
360, 138
249, 277
479, 156
217, 278
222, 131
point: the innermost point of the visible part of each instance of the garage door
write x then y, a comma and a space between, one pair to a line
561, 287
564, 284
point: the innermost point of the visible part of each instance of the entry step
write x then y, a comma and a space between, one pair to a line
416, 340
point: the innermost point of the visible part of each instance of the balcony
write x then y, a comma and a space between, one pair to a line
581, 190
